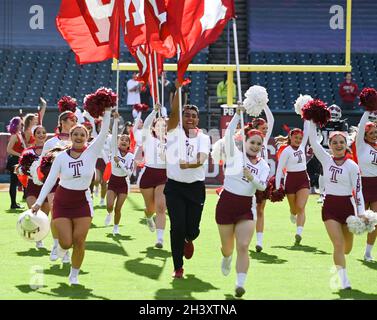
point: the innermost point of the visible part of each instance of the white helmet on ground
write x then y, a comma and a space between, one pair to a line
336, 112
33, 227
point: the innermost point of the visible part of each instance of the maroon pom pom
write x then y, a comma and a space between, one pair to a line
317, 111
47, 161
26, 160
368, 99
67, 103
97, 102
141, 107
274, 194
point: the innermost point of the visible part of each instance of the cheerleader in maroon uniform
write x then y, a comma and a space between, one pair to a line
121, 168
366, 147
343, 195
73, 209
153, 178
296, 183
236, 208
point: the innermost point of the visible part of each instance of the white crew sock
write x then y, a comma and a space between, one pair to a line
160, 235
241, 278
60, 251
343, 278
116, 227
259, 239
368, 250
74, 272
321, 185
56, 242
299, 230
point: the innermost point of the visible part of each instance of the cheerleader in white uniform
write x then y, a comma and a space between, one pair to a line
121, 167
73, 209
343, 195
296, 182
153, 178
366, 147
236, 208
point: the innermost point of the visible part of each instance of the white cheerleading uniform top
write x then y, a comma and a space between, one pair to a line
366, 154
125, 165
138, 134
154, 149
291, 159
341, 180
75, 174
185, 149
87, 115
234, 181
52, 143
270, 123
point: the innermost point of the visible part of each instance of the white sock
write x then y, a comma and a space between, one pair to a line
229, 259
160, 234
299, 230
259, 238
241, 278
56, 242
116, 226
74, 272
103, 199
60, 251
343, 278
321, 185
368, 250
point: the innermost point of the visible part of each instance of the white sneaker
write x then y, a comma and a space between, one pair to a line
293, 219
368, 258
320, 199
151, 224
54, 253
108, 219
39, 245
226, 265
73, 280
66, 258
115, 230
102, 202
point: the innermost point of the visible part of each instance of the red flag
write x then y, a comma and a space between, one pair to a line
91, 28
133, 23
195, 24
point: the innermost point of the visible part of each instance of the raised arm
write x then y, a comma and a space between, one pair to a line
361, 132
147, 125
281, 165
229, 136
306, 134
174, 113
318, 150
98, 143
114, 138
356, 186
42, 110
270, 122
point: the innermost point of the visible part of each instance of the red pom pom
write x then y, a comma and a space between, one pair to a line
317, 111
368, 99
274, 194
97, 102
26, 160
46, 163
67, 103
141, 107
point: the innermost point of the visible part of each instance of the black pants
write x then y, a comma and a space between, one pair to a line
12, 161
314, 169
185, 202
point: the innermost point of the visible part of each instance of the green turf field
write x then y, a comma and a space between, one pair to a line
129, 267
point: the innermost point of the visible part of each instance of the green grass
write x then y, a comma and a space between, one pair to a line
128, 267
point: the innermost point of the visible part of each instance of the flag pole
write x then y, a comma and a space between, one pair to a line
117, 105
180, 137
157, 87
162, 90
236, 53
151, 78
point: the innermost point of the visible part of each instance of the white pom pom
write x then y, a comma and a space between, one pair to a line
256, 100
34, 173
356, 225
218, 151
300, 102
370, 220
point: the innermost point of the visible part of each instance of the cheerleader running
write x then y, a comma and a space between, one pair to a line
366, 146
153, 179
266, 128
342, 180
296, 182
73, 210
121, 168
236, 208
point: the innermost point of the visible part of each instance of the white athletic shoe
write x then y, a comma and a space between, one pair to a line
108, 219
320, 199
54, 253
368, 258
151, 224
226, 265
102, 202
73, 280
293, 219
66, 258
39, 245
115, 230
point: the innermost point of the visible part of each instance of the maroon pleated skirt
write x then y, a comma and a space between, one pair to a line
296, 181
337, 208
152, 178
369, 189
100, 165
118, 185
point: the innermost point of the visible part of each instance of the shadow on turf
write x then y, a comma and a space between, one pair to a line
153, 253
25, 288
355, 294
61, 270
15, 210
134, 205
105, 247
119, 237
33, 252
266, 258
73, 292
302, 248
369, 264
182, 289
